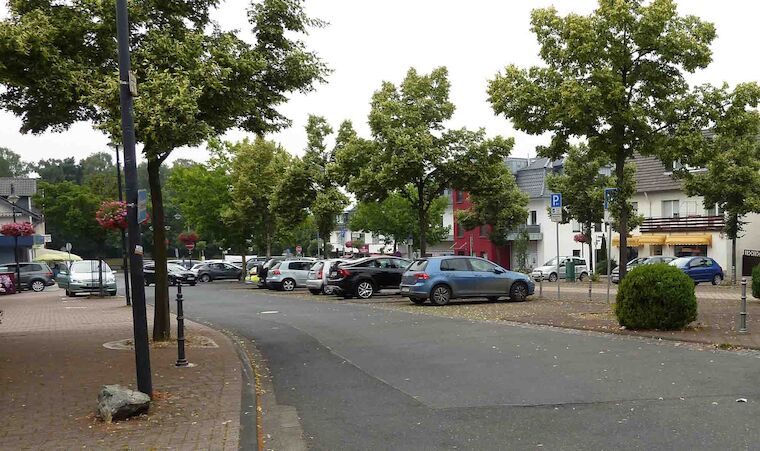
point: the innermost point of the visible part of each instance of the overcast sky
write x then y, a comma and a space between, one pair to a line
368, 42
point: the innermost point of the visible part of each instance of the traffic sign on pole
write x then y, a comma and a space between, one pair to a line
556, 207
142, 206
556, 200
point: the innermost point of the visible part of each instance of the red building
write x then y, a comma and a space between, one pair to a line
475, 242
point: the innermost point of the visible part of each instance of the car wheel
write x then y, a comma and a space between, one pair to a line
315, 292
553, 277
440, 295
112, 293
365, 289
418, 301
192, 284
70, 294
147, 283
518, 292
38, 286
584, 277
288, 284
205, 278
493, 298
717, 279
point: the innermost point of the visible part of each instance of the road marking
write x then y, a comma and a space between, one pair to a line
75, 307
269, 311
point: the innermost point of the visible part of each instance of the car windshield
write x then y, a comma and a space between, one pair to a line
88, 266
174, 267
418, 265
552, 262
682, 262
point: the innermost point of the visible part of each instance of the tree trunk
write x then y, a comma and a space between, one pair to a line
423, 220
269, 245
161, 318
623, 225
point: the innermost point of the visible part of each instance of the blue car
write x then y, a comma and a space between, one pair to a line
441, 279
700, 269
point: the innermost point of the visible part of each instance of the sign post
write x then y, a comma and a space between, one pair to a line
556, 216
609, 196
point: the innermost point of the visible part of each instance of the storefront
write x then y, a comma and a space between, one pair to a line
677, 245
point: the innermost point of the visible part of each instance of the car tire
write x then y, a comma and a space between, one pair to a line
205, 278
553, 277
717, 279
112, 293
364, 289
288, 285
418, 301
315, 291
518, 292
583, 277
440, 295
37, 285
70, 294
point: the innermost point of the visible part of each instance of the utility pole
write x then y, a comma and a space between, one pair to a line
127, 89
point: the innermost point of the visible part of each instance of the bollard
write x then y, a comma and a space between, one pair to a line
181, 360
590, 283
541, 287
743, 313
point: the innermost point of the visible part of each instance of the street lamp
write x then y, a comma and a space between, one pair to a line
124, 265
13, 199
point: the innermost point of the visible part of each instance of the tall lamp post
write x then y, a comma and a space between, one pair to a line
124, 264
13, 199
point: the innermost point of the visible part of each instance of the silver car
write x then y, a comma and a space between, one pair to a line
316, 281
84, 277
289, 274
549, 270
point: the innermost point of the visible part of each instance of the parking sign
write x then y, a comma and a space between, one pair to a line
556, 199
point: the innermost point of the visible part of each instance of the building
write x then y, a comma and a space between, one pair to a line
679, 225
25, 211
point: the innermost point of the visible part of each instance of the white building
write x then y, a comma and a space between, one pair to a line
24, 189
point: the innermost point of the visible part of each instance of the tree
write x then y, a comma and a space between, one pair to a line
410, 146
614, 77
195, 80
54, 170
730, 153
11, 164
99, 172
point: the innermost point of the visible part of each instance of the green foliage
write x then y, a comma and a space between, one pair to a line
54, 170
601, 267
614, 78
756, 282
520, 246
656, 297
11, 164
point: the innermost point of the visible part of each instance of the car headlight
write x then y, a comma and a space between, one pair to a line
76, 281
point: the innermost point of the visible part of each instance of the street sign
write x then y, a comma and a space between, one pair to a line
299, 249
190, 246
556, 200
365, 249
142, 206
68, 247
609, 196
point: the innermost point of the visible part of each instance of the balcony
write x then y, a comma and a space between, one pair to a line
534, 232
683, 224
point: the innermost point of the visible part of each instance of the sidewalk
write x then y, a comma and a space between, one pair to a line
53, 363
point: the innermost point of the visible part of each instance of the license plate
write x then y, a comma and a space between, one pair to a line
405, 289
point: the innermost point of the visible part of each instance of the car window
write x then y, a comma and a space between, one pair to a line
455, 264
317, 266
418, 265
384, 263
481, 265
579, 261
31, 268
401, 263
367, 264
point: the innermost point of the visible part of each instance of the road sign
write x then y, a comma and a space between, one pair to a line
142, 206
556, 200
68, 247
365, 249
609, 196
299, 249
190, 246
556, 214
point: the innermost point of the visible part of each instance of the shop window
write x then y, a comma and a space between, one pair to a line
655, 249
691, 250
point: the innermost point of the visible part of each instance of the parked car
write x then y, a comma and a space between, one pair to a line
175, 273
289, 274
84, 277
35, 276
264, 269
549, 270
187, 264
700, 269
440, 279
217, 271
366, 276
316, 281
252, 263
640, 261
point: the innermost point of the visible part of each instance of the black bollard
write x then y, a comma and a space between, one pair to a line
181, 360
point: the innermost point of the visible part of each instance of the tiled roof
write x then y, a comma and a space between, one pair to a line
22, 186
532, 179
652, 176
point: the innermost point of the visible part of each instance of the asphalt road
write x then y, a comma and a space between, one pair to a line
363, 378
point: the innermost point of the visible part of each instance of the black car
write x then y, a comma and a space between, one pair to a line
263, 270
364, 277
176, 273
35, 276
218, 271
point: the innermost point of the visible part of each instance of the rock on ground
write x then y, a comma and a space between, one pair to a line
116, 402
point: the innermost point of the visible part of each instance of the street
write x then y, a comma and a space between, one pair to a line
368, 378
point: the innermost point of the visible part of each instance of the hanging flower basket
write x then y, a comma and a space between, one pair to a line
580, 238
188, 238
112, 215
17, 229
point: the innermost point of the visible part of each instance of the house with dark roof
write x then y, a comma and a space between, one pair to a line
20, 190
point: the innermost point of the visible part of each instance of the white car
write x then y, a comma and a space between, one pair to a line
316, 281
549, 270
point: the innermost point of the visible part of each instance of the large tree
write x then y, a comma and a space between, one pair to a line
614, 77
11, 164
195, 80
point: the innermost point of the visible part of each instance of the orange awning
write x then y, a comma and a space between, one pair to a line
652, 239
632, 241
703, 239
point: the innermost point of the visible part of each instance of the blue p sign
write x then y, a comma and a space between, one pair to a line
556, 199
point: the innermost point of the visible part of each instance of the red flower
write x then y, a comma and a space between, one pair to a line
112, 215
188, 237
17, 229
580, 238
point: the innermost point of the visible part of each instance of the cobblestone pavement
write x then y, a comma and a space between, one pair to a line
53, 363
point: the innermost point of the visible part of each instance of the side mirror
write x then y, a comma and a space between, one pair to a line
498, 271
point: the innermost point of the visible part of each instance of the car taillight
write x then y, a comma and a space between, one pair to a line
344, 272
50, 274
422, 276
319, 274
276, 272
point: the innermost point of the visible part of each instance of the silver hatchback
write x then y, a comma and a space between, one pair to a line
317, 278
289, 274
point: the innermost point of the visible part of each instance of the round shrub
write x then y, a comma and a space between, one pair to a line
756, 282
656, 297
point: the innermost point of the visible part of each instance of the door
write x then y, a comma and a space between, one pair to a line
230, 271
459, 275
562, 269
386, 274
488, 282
300, 271
697, 269
398, 266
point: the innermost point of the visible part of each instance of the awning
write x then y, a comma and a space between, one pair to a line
652, 239
703, 239
52, 255
632, 241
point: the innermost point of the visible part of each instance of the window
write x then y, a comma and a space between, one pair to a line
576, 253
690, 250
455, 264
655, 249
580, 261
384, 263
400, 263
460, 197
460, 231
598, 227
635, 206
484, 231
670, 209
419, 265
481, 265
576, 225
715, 210
533, 217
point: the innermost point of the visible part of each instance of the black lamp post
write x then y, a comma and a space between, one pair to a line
13, 199
124, 266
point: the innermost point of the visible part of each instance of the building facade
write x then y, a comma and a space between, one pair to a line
25, 211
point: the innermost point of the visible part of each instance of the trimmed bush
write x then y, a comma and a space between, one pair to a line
601, 267
756, 282
656, 297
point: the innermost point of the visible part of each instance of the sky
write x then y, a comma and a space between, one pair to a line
368, 42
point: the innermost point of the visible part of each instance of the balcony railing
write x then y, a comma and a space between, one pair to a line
683, 224
534, 232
